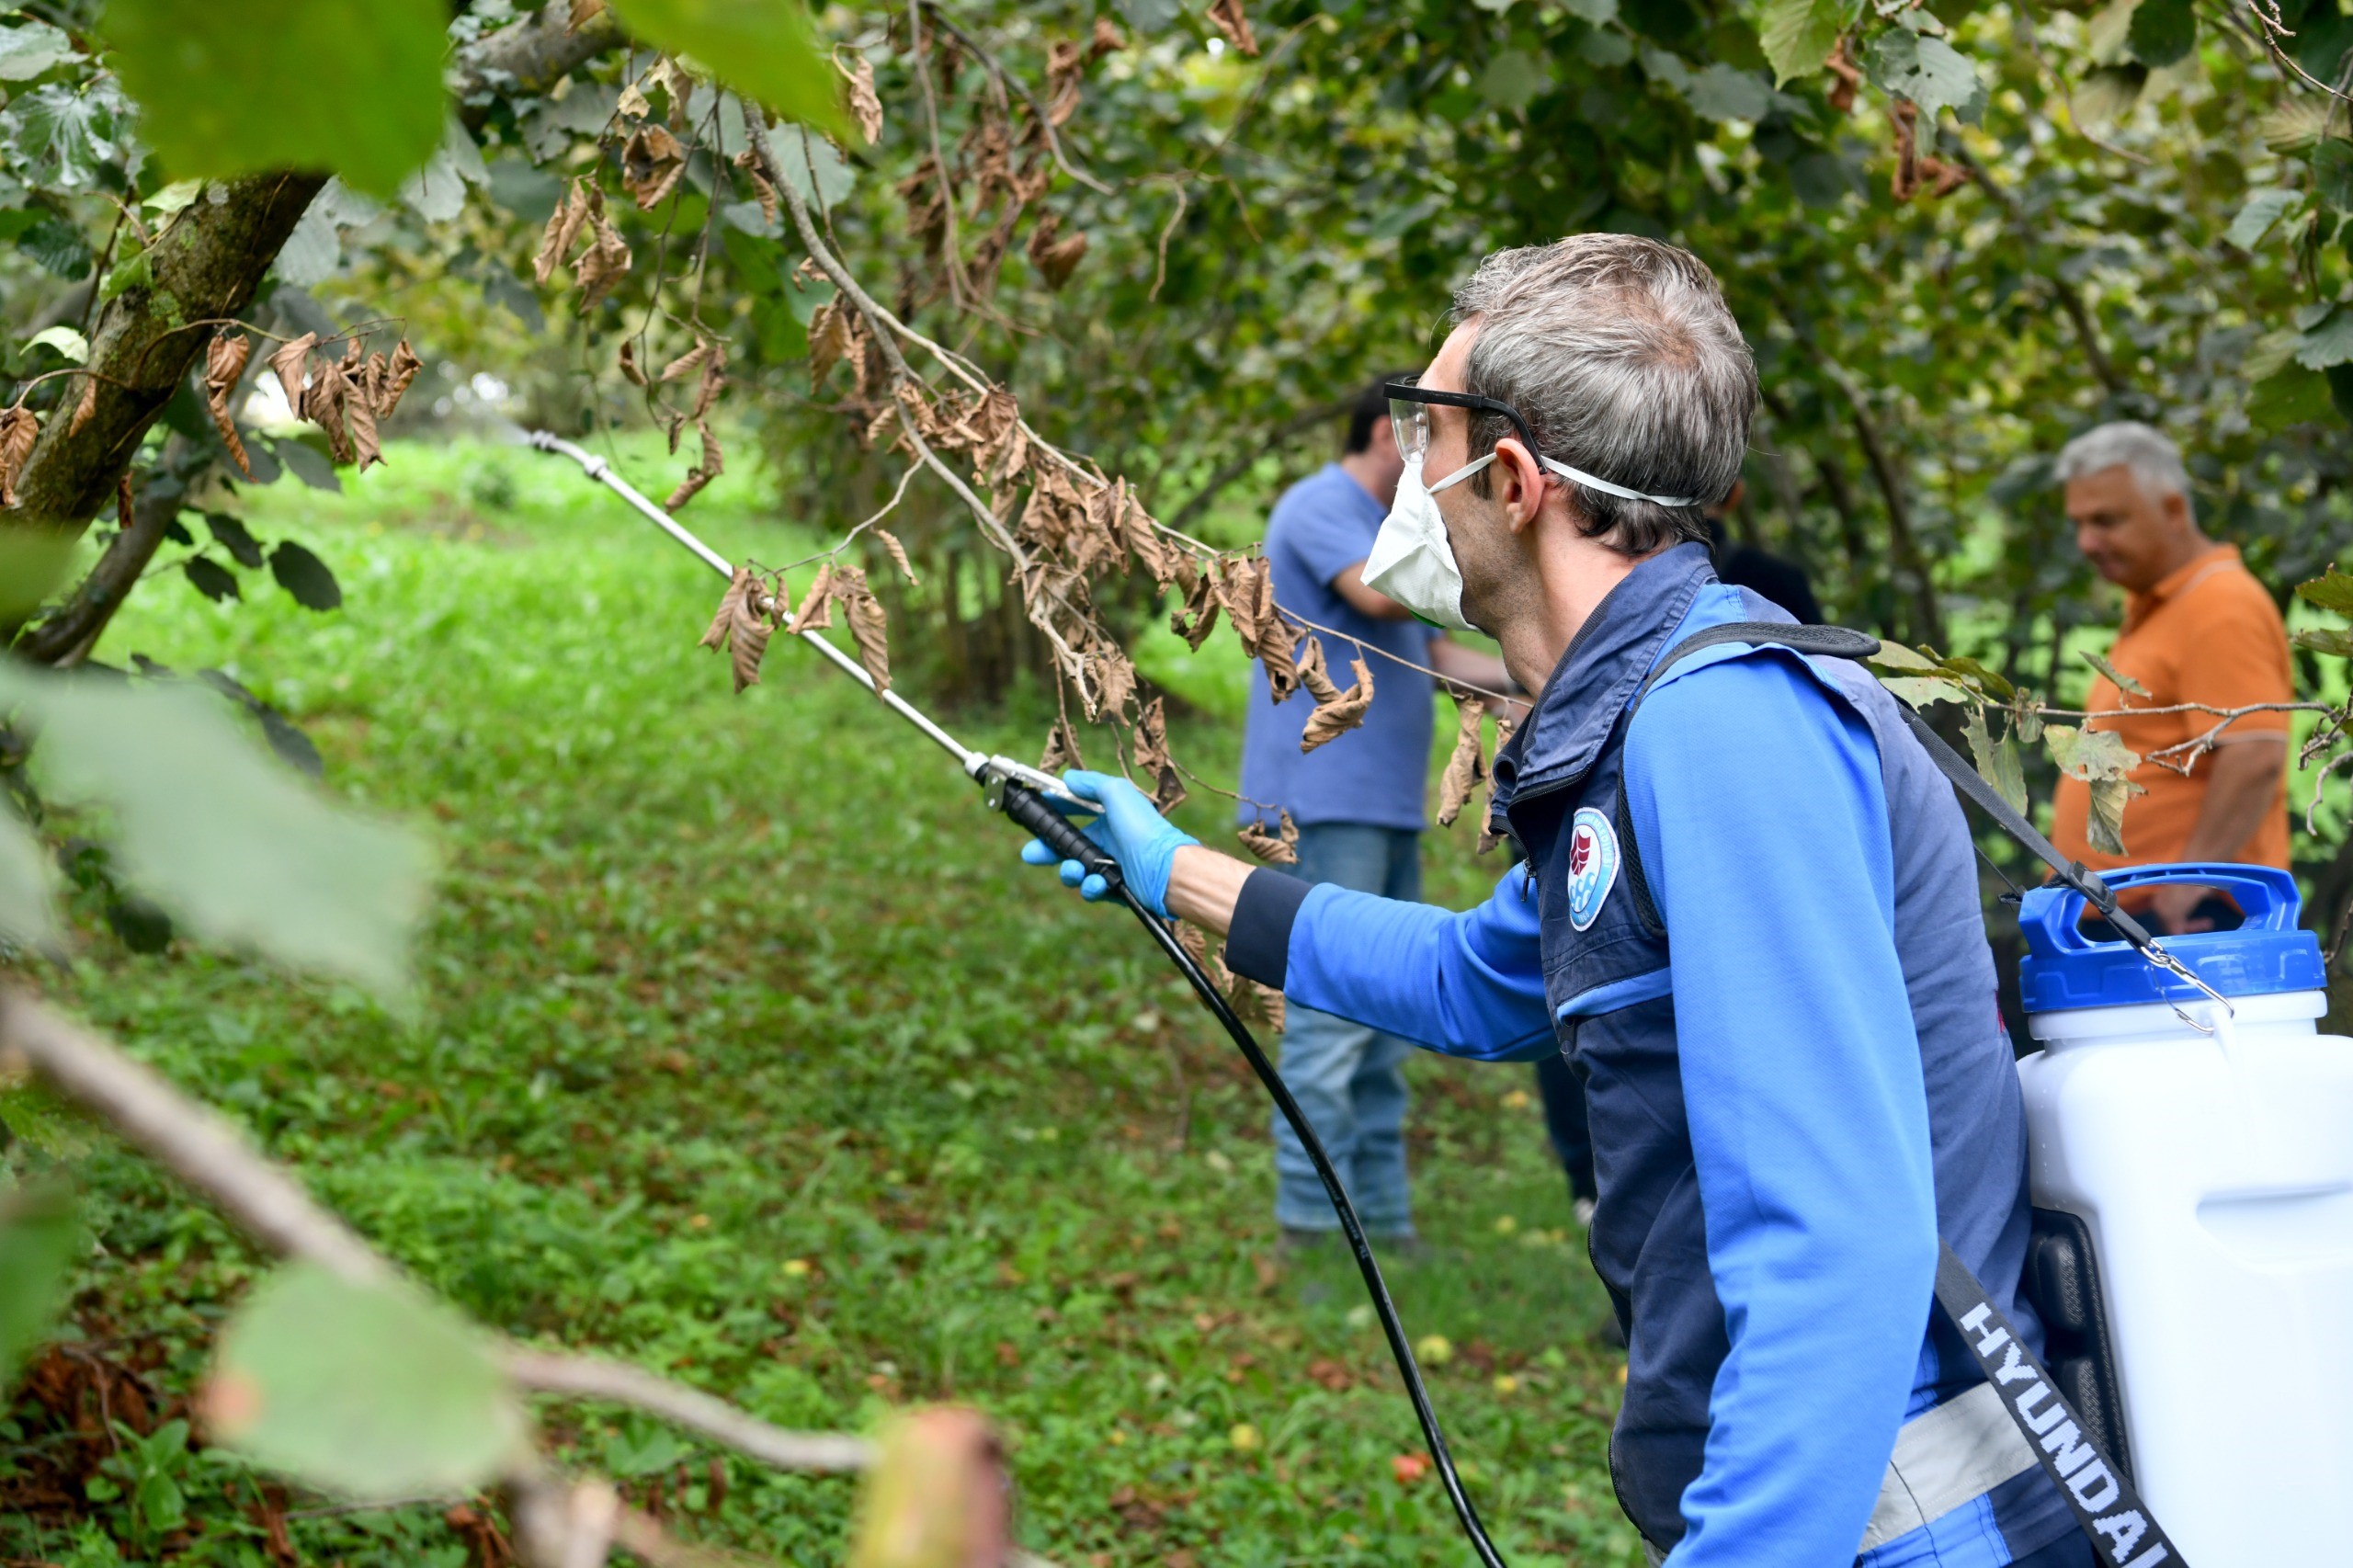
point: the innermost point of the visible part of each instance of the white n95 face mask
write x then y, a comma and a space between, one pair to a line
1412, 561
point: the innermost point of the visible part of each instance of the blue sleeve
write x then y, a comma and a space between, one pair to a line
1468, 984
1802, 1085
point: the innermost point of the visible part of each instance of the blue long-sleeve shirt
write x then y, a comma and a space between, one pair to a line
1758, 814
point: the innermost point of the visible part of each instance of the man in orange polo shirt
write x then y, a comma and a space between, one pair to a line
2198, 628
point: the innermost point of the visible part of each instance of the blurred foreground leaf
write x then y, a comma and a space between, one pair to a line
352, 86
369, 1390
26, 877
233, 847
37, 1237
766, 50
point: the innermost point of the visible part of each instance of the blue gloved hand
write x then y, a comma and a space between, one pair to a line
1144, 842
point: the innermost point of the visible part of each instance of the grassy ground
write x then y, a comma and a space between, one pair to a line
749, 1050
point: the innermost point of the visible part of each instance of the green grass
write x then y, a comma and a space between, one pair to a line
749, 1050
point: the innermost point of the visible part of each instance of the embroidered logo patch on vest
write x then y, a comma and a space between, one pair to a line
1593, 864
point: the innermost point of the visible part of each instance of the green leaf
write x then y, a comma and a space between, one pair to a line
305, 576
1799, 35
229, 534
39, 1238
1512, 79
1997, 761
353, 86
69, 140
1985, 678
32, 564
369, 1390
2092, 755
226, 841
2263, 209
211, 579
2163, 31
766, 50
1149, 16
27, 877
2123, 682
2335, 643
2329, 343
2294, 396
2331, 590
1600, 12
2332, 164
69, 342
26, 51
1929, 71
1722, 93
2105, 823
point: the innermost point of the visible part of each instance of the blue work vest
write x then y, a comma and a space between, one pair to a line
1607, 984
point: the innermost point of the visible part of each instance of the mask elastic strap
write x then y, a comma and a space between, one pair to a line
1459, 474
1617, 490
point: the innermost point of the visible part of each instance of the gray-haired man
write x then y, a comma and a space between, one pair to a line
1791, 1101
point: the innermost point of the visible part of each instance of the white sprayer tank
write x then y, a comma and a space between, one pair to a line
2206, 1155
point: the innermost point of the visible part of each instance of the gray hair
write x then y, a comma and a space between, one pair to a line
2148, 451
1622, 357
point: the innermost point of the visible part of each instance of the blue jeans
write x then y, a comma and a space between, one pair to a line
1349, 1080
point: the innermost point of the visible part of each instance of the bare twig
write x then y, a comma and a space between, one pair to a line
888, 508
186, 1137
583, 1377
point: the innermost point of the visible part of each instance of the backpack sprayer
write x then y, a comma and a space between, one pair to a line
1036, 802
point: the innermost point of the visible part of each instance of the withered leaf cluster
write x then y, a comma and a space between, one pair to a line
1336, 712
1061, 749
743, 623
345, 397
713, 464
1279, 848
865, 104
1055, 258
605, 260
653, 162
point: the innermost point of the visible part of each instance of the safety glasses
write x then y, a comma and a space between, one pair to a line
1409, 414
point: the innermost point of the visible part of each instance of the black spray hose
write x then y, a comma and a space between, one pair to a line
1028, 809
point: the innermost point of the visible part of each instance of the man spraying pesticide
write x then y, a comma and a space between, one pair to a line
1749, 916
1815, 1214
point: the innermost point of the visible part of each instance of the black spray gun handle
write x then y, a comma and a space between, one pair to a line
1028, 808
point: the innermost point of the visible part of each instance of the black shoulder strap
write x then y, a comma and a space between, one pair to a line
2097, 1491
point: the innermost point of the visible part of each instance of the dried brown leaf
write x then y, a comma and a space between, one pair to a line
324, 403
764, 192
84, 407
817, 610
1227, 16
865, 104
739, 587
898, 554
1466, 770
1150, 746
125, 513
19, 429
1055, 259
1107, 40
740, 627
633, 104
583, 12
630, 370
1277, 657
713, 464
713, 381
1062, 750
606, 261
1065, 64
287, 365
1275, 849
653, 161
398, 375
686, 364
1315, 676
1246, 586
1197, 617
832, 336
1111, 680
224, 363
869, 628
1344, 712
562, 233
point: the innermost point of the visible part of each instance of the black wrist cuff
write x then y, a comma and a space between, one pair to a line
1259, 945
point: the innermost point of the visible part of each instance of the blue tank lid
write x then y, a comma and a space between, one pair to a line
2063, 968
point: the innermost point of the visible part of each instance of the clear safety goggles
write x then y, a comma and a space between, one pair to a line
1409, 420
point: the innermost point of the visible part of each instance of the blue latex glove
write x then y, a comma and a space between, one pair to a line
1144, 842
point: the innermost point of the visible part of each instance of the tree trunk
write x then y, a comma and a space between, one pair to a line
206, 264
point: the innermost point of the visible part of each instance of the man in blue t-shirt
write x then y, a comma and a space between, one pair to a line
1359, 803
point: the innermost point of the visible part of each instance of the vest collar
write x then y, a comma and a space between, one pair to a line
1599, 674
